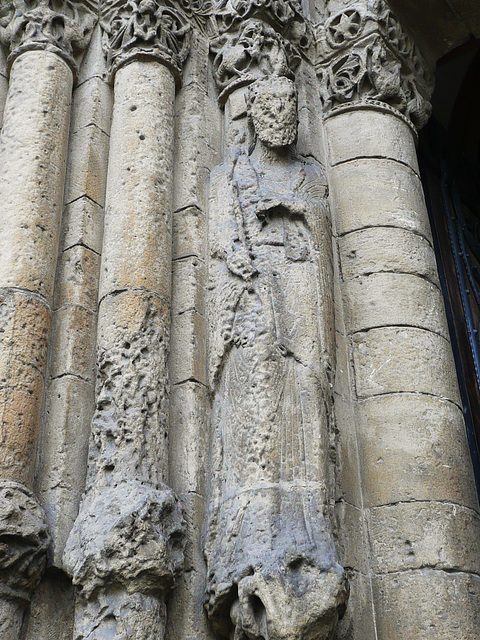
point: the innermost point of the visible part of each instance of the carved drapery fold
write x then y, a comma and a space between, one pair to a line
273, 572
366, 55
63, 27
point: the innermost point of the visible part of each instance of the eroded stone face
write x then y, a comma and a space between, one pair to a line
273, 110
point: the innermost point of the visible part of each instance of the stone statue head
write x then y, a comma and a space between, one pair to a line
272, 111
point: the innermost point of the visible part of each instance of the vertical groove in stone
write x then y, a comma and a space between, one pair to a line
405, 438
122, 576
69, 397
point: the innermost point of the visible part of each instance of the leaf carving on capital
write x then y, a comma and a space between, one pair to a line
63, 27
254, 51
366, 55
145, 29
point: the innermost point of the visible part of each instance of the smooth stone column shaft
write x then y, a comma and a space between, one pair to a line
414, 460
33, 147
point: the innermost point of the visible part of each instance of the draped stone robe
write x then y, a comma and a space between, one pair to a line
271, 359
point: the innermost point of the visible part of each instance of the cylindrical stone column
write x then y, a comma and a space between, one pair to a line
32, 160
33, 146
123, 577
417, 481
418, 490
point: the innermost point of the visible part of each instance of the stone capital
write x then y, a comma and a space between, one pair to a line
253, 51
365, 55
24, 540
145, 29
63, 27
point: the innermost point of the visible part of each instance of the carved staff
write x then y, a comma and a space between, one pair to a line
44, 46
127, 543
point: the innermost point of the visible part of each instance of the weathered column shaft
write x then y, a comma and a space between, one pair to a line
32, 156
135, 279
418, 488
123, 577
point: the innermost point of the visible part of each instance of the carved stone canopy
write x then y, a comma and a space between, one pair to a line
63, 27
145, 29
365, 55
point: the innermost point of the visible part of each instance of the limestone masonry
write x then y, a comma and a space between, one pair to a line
229, 407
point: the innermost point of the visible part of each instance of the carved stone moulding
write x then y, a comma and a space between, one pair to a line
24, 541
148, 29
366, 55
256, 50
63, 27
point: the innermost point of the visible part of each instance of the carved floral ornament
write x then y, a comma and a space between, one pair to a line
367, 56
63, 27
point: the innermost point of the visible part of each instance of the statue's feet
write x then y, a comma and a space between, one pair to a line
302, 602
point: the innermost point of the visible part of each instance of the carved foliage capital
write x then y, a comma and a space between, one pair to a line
145, 29
256, 50
24, 540
366, 55
63, 27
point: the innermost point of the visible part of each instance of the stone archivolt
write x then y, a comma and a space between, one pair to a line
63, 27
365, 55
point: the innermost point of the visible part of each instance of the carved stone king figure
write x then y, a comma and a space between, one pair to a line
273, 571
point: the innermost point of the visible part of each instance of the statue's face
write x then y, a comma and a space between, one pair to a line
274, 112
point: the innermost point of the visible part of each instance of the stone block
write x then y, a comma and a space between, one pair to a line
358, 621
73, 343
193, 161
188, 233
3, 96
414, 447
427, 604
195, 69
375, 192
368, 133
94, 63
352, 540
77, 278
386, 249
82, 223
188, 437
92, 105
188, 286
413, 535
391, 299
87, 162
24, 331
347, 477
54, 593
130, 317
187, 355
395, 359
62, 464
